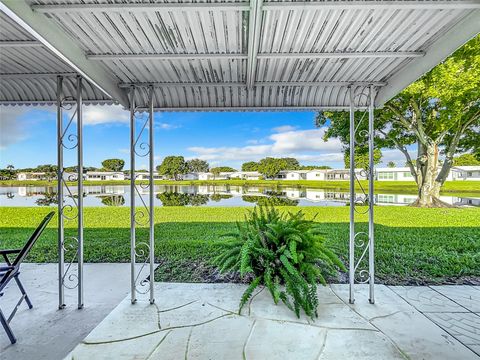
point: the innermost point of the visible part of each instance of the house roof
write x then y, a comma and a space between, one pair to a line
227, 54
468, 168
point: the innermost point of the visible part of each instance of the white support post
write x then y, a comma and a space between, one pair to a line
70, 204
61, 252
132, 196
351, 262
80, 189
151, 196
371, 196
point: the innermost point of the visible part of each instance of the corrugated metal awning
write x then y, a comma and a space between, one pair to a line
224, 55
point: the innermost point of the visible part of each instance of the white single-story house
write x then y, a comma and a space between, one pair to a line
145, 176
210, 176
338, 174
35, 176
404, 174
317, 174
393, 174
471, 173
246, 175
104, 175
292, 175
190, 176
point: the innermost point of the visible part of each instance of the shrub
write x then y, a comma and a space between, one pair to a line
283, 252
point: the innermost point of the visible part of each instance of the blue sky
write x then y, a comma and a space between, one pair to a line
28, 137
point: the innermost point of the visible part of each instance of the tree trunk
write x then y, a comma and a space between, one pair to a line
427, 171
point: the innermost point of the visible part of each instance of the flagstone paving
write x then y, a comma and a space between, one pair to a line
200, 321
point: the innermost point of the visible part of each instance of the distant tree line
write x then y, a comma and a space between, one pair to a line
174, 166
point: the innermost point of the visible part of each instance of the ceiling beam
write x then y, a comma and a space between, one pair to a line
54, 38
257, 84
19, 43
287, 5
140, 7
306, 55
342, 55
34, 75
209, 56
53, 102
445, 45
373, 5
254, 29
254, 108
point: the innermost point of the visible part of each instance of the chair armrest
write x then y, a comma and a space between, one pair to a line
6, 268
9, 251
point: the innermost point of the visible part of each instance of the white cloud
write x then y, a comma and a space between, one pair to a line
166, 126
284, 128
95, 115
12, 128
305, 145
303, 140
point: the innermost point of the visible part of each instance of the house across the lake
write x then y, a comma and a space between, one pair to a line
404, 174
465, 173
104, 175
457, 173
31, 176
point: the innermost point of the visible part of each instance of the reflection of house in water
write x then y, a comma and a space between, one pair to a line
294, 193
394, 199
34, 191
104, 190
236, 190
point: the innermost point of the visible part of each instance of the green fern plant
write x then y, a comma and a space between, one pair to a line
283, 252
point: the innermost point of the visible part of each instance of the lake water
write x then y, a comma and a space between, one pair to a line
176, 195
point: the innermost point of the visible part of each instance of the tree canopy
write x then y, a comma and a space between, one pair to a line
270, 167
220, 169
197, 165
466, 160
172, 167
113, 164
250, 166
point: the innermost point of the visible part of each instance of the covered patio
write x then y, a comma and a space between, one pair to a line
221, 56
200, 321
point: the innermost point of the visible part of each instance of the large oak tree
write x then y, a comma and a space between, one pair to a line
439, 113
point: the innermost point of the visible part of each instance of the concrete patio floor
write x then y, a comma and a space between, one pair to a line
199, 321
45, 332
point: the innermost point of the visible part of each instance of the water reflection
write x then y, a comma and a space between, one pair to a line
112, 200
207, 195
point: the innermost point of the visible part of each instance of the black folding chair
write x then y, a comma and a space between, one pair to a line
12, 271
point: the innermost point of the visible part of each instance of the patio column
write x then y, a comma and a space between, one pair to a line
361, 243
142, 146
371, 196
351, 247
70, 203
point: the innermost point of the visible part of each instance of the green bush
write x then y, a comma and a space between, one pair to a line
284, 253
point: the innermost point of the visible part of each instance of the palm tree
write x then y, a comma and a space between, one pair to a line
11, 173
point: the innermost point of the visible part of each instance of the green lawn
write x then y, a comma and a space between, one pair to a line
412, 245
464, 188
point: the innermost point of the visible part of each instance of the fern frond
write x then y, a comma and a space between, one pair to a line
248, 292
